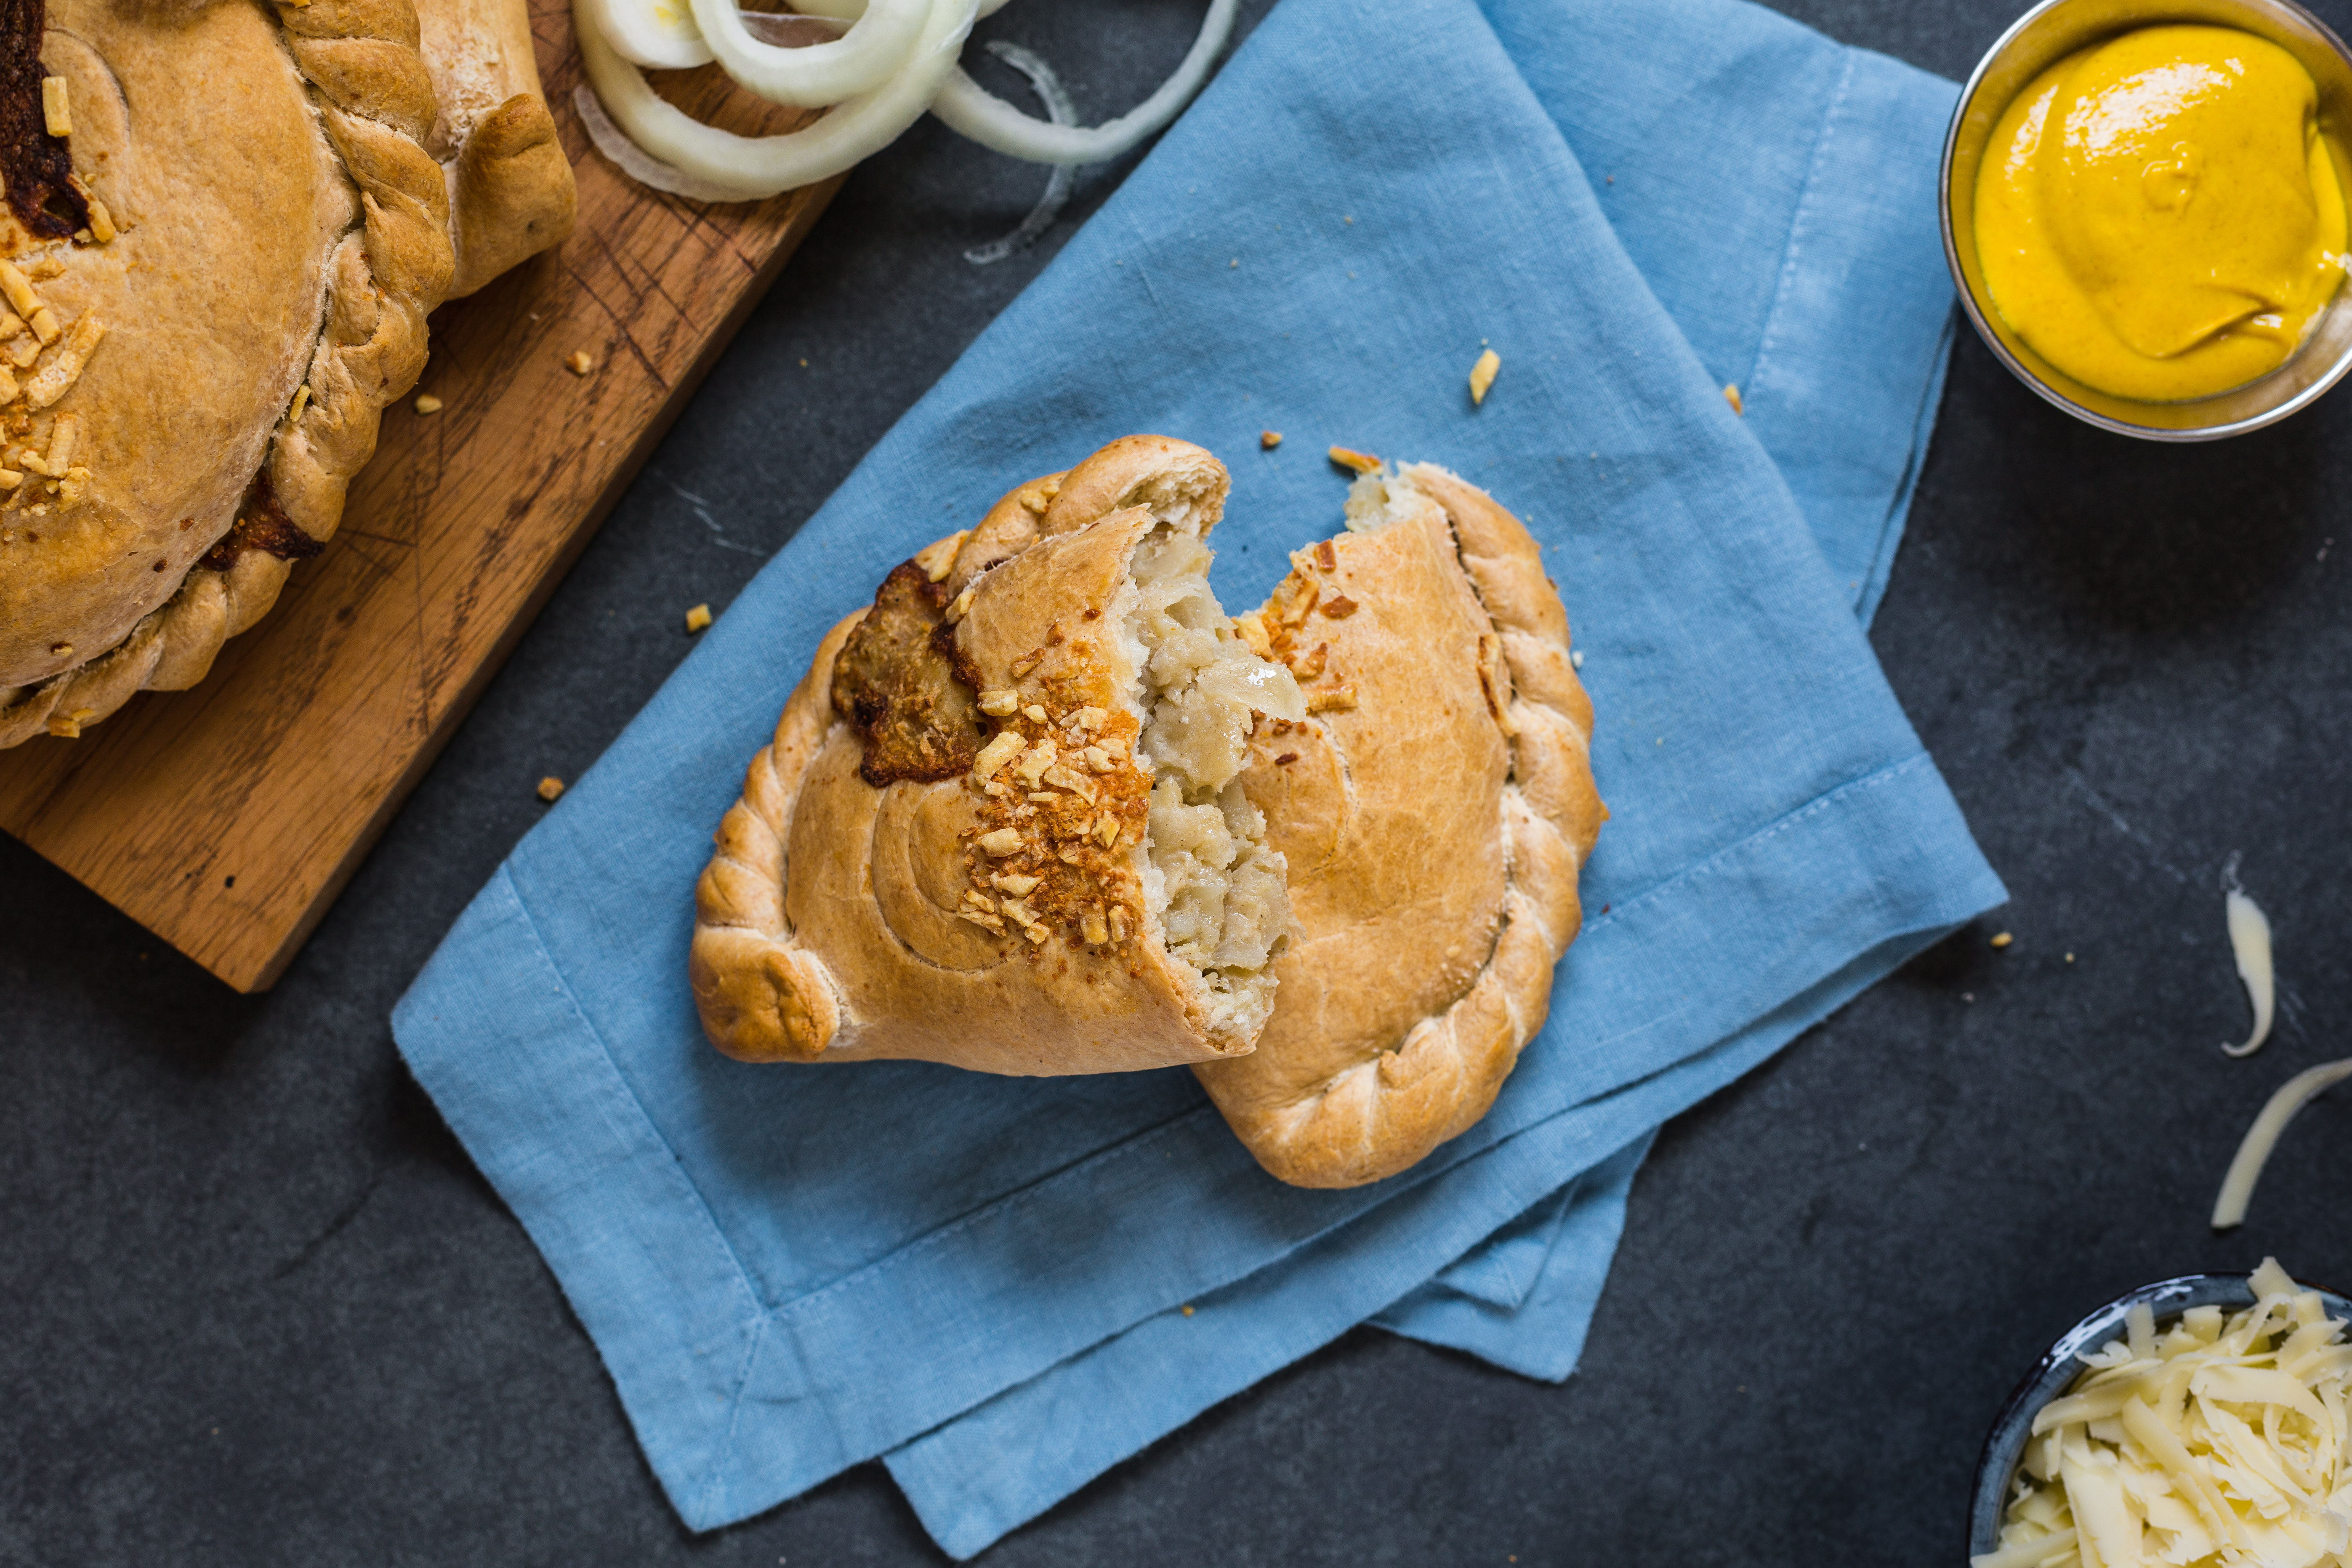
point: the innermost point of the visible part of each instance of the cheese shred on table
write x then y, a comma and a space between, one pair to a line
2213, 1444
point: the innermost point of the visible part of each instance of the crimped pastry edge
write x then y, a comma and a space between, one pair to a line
383, 279
1384, 1113
763, 997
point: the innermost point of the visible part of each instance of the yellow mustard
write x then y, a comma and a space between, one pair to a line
2159, 216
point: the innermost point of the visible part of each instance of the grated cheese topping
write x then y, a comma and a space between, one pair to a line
2211, 1444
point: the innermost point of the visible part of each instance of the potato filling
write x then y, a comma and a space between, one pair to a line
1212, 883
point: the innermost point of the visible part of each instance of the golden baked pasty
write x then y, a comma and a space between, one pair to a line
998, 826
226, 223
1435, 810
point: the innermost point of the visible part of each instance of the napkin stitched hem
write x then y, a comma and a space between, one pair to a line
805, 1365
1776, 317
1828, 799
1007, 1462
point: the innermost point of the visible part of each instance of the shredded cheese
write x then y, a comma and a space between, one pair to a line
2238, 1186
2250, 942
2211, 1444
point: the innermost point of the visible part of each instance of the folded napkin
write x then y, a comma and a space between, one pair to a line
789, 1269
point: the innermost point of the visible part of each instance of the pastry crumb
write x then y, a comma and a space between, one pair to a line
1188, 1311
698, 618
1731, 395
581, 362
1268, 440
549, 787
1482, 375
1577, 658
426, 404
2003, 939
1355, 461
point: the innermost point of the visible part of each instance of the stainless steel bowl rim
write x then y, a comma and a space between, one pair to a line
1992, 338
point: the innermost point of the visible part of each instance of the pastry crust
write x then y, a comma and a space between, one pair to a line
510, 189
896, 882
1435, 811
275, 233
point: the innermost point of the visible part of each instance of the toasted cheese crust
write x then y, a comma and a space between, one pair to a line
869, 898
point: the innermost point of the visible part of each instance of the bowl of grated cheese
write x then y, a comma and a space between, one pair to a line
2199, 1422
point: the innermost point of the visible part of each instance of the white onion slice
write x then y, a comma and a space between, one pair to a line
876, 48
662, 33
751, 168
657, 33
790, 29
2249, 942
972, 110
850, 10
1060, 183
2238, 1186
634, 161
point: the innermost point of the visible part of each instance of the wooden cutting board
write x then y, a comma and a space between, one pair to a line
227, 819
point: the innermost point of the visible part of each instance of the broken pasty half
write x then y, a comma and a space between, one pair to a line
1000, 824
1435, 809
225, 224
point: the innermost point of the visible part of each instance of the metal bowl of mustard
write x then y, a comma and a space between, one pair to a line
2042, 39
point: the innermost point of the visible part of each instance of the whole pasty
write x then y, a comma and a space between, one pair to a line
226, 223
998, 826
1434, 811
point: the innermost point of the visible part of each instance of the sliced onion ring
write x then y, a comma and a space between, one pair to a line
656, 33
790, 29
634, 161
972, 110
751, 168
1060, 183
850, 10
876, 48
2238, 1186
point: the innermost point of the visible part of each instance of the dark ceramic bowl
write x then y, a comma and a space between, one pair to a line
2005, 1444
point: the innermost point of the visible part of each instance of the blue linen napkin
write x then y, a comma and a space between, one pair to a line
789, 1270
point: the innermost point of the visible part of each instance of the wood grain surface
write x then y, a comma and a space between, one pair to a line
227, 819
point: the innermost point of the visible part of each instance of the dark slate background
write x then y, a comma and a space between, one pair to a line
257, 1306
